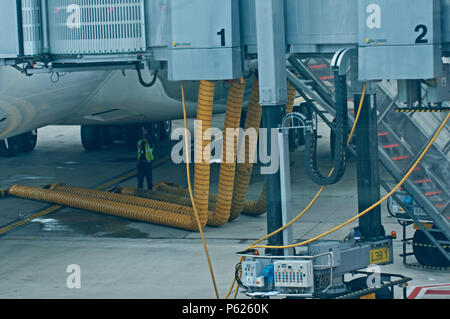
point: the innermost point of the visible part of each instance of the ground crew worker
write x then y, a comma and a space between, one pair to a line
145, 157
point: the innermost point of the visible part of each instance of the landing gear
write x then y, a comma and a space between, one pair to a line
28, 141
131, 135
10, 147
23, 143
166, 129
107, 135
155, 131
91, 137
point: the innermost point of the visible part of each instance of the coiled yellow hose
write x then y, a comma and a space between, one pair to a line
256, 208
244, 170
167, 187
202, 150
177, 194
105, 207
228, 165
126, 199
291, 98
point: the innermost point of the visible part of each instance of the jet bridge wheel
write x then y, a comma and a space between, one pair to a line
425, 252
91, 137
297, 135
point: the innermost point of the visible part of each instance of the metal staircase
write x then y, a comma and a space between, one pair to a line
424, 199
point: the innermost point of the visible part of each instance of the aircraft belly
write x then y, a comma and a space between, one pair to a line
89, 98
27, 103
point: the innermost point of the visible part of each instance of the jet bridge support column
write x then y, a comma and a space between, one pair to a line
273, 98
366, 137
367, 168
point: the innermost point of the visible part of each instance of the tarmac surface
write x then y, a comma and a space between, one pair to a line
120, 258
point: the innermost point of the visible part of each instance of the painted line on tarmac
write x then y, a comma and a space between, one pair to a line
111, 182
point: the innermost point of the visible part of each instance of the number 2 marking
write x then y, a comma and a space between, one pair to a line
420, 38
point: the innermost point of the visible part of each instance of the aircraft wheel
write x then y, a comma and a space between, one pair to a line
155, 131
107, 135
91, 137
10, 147
28, 141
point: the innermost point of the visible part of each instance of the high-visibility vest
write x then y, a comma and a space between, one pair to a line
148, 151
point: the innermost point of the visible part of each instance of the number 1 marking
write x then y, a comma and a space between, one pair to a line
222, 36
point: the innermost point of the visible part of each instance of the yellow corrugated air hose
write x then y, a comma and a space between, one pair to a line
202, 149
228, 165
256, 208
291, 98
171, 188
167, 188
139, 197
167, 206
179, 195
183, 200
244, 170
154, 216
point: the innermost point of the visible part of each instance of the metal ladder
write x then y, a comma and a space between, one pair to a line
425, 197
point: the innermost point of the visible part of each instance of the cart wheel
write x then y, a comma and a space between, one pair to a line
361, 283
427, 255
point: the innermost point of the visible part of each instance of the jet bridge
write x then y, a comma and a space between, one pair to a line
368, 41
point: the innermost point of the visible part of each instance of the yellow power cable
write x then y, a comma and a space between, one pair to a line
192, 196
322, 188
363, 94
312, 201
430, 143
